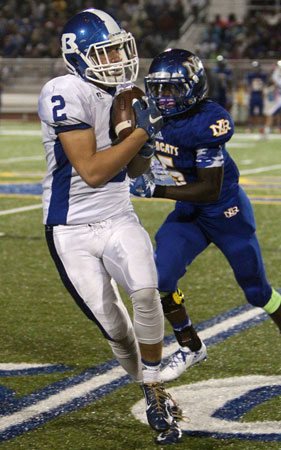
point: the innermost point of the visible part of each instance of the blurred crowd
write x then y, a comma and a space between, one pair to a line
31, 28
258, 36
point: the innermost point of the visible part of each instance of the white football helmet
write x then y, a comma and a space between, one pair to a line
90, 34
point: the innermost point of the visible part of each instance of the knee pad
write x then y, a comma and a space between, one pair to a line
172, 302
148, 316
146, 300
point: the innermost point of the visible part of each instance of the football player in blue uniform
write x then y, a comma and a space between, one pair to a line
92, 231
211, 206
256, 81
220, 83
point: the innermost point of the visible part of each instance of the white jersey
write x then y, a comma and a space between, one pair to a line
274, 106
276, 78
67, 103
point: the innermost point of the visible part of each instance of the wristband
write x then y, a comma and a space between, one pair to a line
159, 191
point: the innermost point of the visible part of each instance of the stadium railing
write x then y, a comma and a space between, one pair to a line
22, 79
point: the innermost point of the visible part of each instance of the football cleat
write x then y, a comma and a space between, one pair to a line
159, 406
180, 361
171, 436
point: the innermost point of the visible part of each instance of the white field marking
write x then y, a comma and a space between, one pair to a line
20, 132
22, 158
239, 145
260, 169
256, 136
21, 366
64, 396
205, 397
22, 209
247, 161
218, 328
83, 388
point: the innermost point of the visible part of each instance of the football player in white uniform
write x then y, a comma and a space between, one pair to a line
275, 108
92, 231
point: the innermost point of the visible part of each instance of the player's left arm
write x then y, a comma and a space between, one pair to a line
206, 189
141, 162
216, 131
137, 166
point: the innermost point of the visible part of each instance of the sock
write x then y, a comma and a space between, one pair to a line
273, 303
151, 372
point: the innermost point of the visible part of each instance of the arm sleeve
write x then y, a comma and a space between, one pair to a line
207, 158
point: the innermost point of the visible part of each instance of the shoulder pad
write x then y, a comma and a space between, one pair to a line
215, 125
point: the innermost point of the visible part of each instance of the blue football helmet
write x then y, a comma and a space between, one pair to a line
176, 81
85, 42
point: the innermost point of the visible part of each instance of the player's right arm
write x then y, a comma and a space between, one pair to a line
66, 109
94, 167
97, 168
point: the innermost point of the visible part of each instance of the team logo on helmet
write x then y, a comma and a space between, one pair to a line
193, 65
68, 42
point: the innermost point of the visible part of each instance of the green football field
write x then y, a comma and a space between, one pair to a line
59, 385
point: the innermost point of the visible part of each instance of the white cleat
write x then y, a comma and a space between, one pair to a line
180, 361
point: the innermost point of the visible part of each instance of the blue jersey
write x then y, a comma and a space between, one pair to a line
197, 140
256, 82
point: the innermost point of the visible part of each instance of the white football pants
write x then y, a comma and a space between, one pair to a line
89, 256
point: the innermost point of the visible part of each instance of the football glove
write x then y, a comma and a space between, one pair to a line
147, 150
148, 116
143, 186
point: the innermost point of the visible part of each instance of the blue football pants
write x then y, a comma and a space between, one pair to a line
181, 238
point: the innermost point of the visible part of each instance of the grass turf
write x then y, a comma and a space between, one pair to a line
40, 323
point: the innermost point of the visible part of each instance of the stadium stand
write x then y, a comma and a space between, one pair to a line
29, 29
239, 30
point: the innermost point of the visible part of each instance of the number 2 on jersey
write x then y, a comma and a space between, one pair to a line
61, 105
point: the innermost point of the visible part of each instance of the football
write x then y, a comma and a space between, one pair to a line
122, 112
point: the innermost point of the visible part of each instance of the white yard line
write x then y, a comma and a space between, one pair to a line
239, 145
256, 136
56, 400
260, 169
4, 132
22, 158
22, 209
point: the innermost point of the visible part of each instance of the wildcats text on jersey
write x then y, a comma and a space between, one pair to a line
166, 148
221, 128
